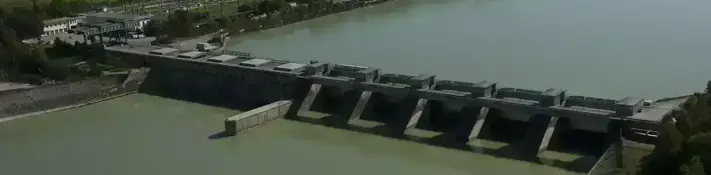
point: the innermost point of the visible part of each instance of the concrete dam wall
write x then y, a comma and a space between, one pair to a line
406, 106
218, 85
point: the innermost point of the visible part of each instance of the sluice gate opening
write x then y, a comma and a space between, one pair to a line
390, 110
442, 117
336, 102
568, 139
501, 128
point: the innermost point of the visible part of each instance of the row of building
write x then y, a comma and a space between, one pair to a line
65, 24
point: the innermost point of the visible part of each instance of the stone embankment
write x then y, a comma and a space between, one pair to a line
25, 102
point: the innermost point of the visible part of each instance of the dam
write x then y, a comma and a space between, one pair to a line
529, 44
527, 123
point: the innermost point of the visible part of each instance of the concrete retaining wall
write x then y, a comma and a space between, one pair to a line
253, 118
25, 101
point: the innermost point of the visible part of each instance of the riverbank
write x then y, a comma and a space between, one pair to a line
303, 13
21, 103
260, 21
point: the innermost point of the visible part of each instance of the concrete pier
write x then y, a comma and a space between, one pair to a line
417, 113
478, 124
255, 117
360, 106
310, 98
545, 141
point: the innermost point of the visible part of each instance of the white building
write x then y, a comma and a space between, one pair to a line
102, 17
59, 25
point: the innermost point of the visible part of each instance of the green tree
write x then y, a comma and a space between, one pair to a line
700, 144
26, 23
245, 8
228, 24
59, 8
664, 160
61, 49
270, 6
154, 28
182, 24
694, 167
78, 6
684, 124
33, 63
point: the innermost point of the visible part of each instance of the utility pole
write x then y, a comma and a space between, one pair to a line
222, 8
35, 7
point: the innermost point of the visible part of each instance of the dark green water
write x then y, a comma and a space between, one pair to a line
140, 134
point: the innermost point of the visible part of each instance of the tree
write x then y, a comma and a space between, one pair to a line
683, 123
35, 7
685, 146
700, 144
270, 6
154, 28
25, 22
707, 92
33, 63
78, 6
227, 23
244, 8
694, 167
664, 160
182, 24
59, 8
62, 49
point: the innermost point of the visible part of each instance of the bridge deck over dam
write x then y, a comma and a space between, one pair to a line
454, 110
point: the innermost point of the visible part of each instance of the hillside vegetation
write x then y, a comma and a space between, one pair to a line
684, 146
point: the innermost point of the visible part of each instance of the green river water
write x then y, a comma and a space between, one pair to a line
141, 134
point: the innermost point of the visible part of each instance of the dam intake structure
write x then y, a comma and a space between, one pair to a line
455, 114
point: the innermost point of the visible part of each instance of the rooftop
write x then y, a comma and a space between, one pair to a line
290, 67
255, 62
191, 54
120, 16
222, 58
163, 51
57, 20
